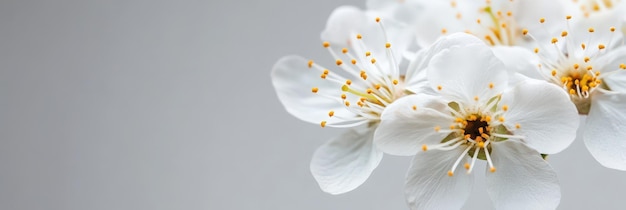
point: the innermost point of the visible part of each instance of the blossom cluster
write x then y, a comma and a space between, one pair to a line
454, 82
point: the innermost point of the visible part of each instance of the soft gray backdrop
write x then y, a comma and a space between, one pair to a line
136, 105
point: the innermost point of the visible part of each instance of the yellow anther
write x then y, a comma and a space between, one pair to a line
587, 59
554, 40
437, 128
517, 126
591, 30
481, 144
439, 87
572, 91
444, 31
564, 34
369, 91
492, 169
339, 62
359, 36
589, 68
347, 103
326, 71
503, 25
377, 19
467, 136
453, 4
481, 130
601, 46
353, 61
377, 86
387, 45
553, 72
501, 119
585, 88
622, 66
314, 90
331, 113
536, 50
479, 139
452, 127
323, 76
362, 99
568, 17
458, 15
310, 64
326, 44
373, 60
491, 85
478, 20
343, 96
424, 147
472, 118
458, 119
475, 98
583, 46
542, 20
414, 107
509, 13
466, 166
395, 81
323, 124
487, 118
612, 29
499, 13
364, 76
368, 53
524, 31
484, 135
450, 173
348, 82
505, 108
344, 50
576, 66
360, 103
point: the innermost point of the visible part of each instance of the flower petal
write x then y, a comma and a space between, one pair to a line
522, 180
293, 83
463, 77
544, 113
604, 132
345, 162
428, 185
403, 130
416, 72
519, 60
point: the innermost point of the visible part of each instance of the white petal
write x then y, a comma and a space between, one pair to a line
403, 11
404, 130
428, 185
604, 132
467, 72
522, 180
293, 82
416, 73
345, 162
547, 118
342, 23
609, 62
436, 16
520, 60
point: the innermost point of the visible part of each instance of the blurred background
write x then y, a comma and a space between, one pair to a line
168, 105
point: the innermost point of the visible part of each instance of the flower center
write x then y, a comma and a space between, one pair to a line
476, 128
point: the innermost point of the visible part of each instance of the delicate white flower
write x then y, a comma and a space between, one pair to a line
476, 115
365, 80
588, 63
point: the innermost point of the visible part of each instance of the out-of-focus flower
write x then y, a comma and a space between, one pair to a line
474, 114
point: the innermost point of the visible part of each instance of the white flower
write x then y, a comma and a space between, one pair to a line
476, 115
497, 22
588, 61
365, 80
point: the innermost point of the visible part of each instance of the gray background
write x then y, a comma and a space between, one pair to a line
169, 105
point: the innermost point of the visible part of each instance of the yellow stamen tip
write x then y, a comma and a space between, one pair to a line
554, 40
395, 81
344, 50
525, 31
492, 169
359, 36
553, 72
326, 44
348, 82
481, 144
517, 125
501, 119
424, 147
568, 17
591, 30
542, 20
536, 50
310, 63
437, 128
353, 61
373, 60
331, 113
505, 108
339, 62
564, 34
475, 98
368, 53
467, 166
601, 46
450, 173
414, 107
314, 90
343, 96
323, 124
612, 29
387, 45
491, 85
439, 87
377, 19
